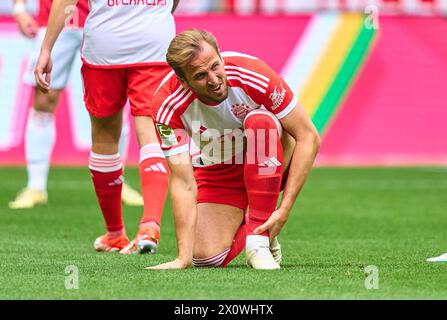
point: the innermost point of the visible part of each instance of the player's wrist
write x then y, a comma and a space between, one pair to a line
18, 8
184, 255
46, 48
284, 212
184, 262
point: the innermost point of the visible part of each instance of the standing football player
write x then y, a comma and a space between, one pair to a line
40, 133
123, 55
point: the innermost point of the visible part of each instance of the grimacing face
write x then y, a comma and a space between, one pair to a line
205, 75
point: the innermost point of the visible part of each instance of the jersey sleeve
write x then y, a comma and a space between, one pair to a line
171, 132
263, 85
172, 141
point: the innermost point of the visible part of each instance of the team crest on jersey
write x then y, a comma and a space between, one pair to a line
240, 110
167, 134
277, 97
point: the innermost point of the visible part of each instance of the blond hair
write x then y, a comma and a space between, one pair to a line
185, 47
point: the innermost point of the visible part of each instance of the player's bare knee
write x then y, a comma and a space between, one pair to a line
262, 119
107, 129
46, 102
105, 137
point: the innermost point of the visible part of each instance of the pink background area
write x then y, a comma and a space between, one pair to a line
395, 113
271, 39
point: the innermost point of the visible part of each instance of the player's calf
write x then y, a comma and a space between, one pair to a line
154, 175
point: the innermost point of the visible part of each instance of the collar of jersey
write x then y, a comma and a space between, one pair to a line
208, 104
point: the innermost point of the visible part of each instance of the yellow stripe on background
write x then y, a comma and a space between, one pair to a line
331, 60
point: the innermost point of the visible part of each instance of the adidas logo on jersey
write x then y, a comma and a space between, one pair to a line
158, 167
116, 182
272, 162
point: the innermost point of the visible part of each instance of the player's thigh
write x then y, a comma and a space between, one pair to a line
216, 226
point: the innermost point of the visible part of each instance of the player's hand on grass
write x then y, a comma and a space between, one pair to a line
176, 264
42, 72
274, 224
27, 25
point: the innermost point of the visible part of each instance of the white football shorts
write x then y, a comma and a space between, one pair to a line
65, 51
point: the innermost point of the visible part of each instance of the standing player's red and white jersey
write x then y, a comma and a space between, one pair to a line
121, 33
79, 17
180, 113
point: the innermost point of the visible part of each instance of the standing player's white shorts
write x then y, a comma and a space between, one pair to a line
65, 51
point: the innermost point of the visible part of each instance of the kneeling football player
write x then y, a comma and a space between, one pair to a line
249, 131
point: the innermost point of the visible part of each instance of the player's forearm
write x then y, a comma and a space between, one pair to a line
60, 11
184, 207
304, 155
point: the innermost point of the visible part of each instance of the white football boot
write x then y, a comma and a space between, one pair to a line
258, 255
29, 198
441, 258
275, 249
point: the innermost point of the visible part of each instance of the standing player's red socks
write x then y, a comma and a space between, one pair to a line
262, 167
154, 175
237, 246
107, 176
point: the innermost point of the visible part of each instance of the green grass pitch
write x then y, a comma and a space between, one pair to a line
345, 220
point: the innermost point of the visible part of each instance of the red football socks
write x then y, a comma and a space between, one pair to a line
154, 175
237, 246
107, 176
262, 167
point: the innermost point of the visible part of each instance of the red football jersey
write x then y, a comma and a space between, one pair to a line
77, 21
178, 111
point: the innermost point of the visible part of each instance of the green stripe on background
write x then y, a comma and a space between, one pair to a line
343, 80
